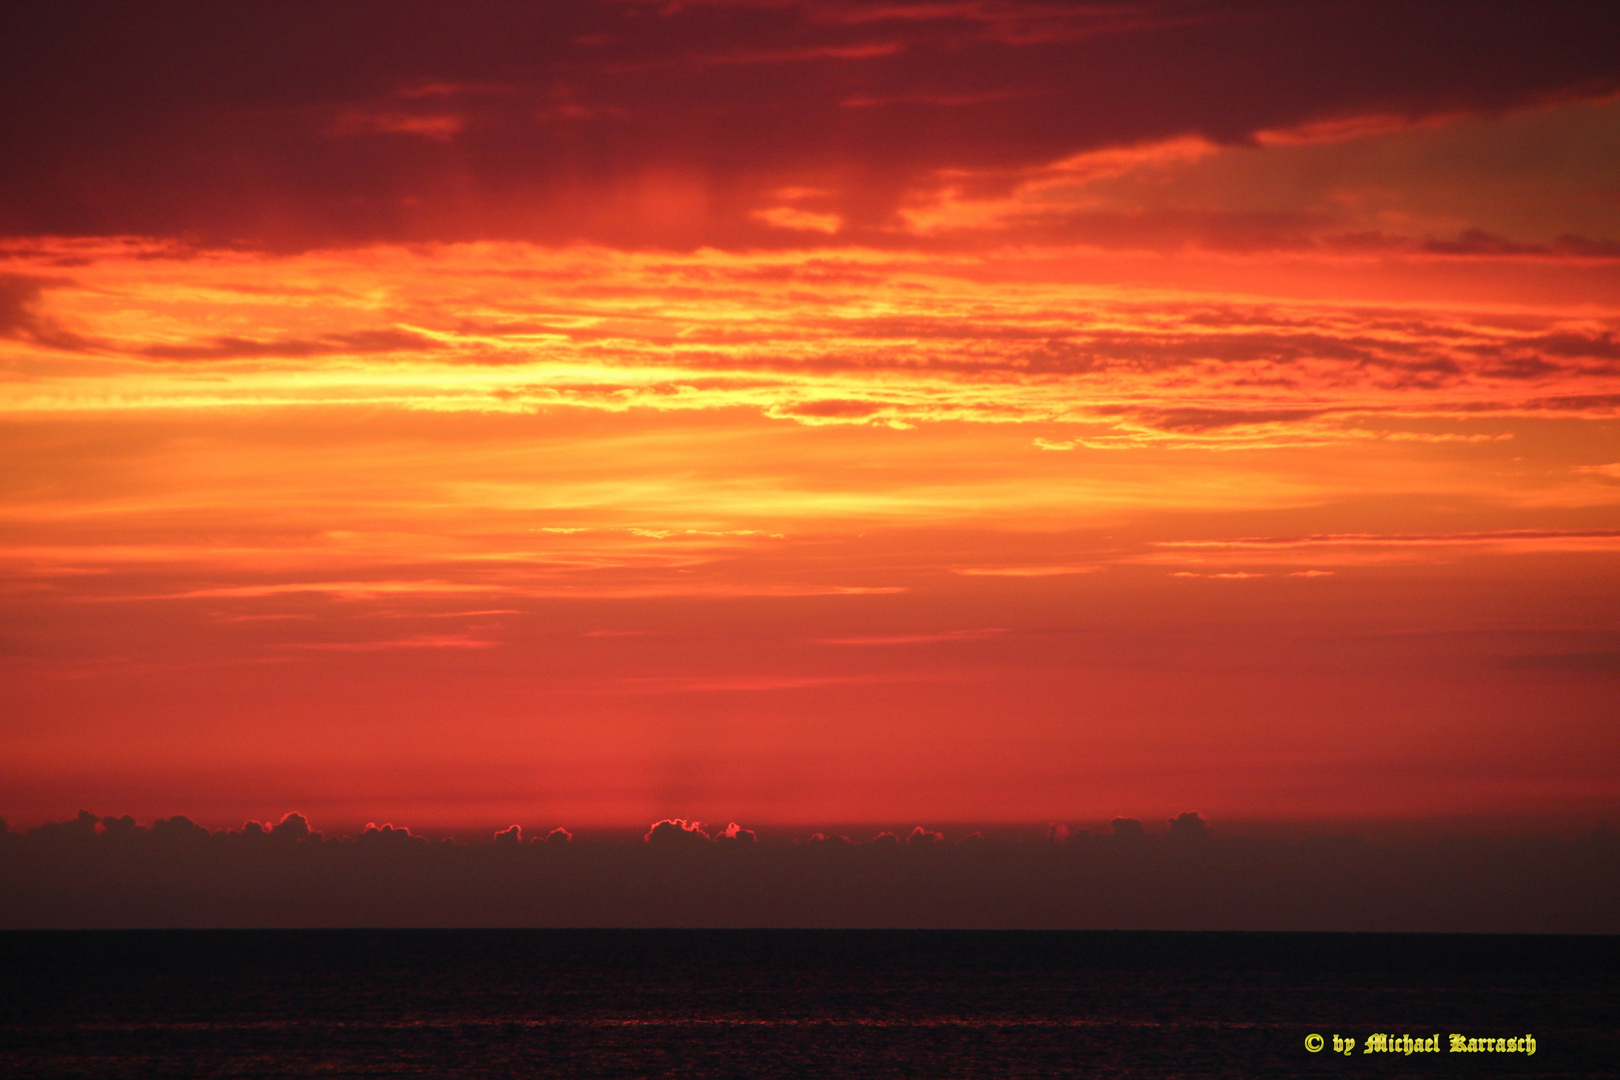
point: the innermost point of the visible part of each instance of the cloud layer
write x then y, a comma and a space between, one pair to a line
696, 123
114, 872
810, 411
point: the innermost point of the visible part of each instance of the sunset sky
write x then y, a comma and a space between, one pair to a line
795, 413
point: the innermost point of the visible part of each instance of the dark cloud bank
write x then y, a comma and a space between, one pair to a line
114, 872
311, 124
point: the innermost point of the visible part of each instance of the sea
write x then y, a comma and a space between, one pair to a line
810, 1003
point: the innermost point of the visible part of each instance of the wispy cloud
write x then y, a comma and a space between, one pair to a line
418, 641
1545, 539
699, 684
807, 339
919, 638
1023, 571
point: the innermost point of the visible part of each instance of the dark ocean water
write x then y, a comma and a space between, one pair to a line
774, 1003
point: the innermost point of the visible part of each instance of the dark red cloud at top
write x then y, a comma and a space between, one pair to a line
672, 124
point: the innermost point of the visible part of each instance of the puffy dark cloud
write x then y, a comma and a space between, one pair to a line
292, 826
118, 828
680, 833
81, 829
676, 832
1125, 828
389, 837
178, 830
1188, 826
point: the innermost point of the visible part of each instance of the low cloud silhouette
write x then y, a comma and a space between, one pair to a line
735, 833
1125, 828
112, 871
675, 832
387, 836
1188, 827
292, 826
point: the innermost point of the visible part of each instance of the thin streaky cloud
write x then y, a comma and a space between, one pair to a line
918, 639
1023, 571
1552, 538
418, 641
683, 684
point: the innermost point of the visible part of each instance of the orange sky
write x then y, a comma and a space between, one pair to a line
810, 413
